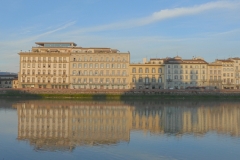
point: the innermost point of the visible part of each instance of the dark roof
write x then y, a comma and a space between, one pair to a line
42, 43
225, 60
8, 73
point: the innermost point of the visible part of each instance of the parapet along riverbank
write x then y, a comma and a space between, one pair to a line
119, 94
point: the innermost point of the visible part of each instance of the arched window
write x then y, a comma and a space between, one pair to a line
153, 70
146, 70
134, 70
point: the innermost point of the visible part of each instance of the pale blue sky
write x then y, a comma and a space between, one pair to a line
146, 28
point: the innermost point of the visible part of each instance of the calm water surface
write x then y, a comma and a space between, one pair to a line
53, 129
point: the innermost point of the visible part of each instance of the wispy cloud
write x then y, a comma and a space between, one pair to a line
163, 15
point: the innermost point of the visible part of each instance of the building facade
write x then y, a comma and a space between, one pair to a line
215, 75
227, 73
184, 73
99, 68
7, 79
147, 75
236, 63
45, 66
64, 65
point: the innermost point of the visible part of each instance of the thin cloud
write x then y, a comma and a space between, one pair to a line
20, 43
162, 15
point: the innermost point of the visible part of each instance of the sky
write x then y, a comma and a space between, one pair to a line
145, 28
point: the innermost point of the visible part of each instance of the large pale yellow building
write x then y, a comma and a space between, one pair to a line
99, 68
45, 66
62, 65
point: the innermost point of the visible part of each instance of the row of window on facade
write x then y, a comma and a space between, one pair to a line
96, 65
99, 80
186, 72
94, 112
228, 69
6, 82
97, 86
118, 59
43, 80
44, 72
102, 72
147, 80
186, 77
42, 111
227, 74
185, 66
44, 58
44, 65
140, 70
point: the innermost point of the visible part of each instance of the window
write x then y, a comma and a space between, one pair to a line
140, 70
74, 65
159, 79
159, 70
153, 79
153, 70
85, 65
134, 79
146, 70
134, 70
74, 73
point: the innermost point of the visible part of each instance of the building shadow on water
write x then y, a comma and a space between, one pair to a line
63, 125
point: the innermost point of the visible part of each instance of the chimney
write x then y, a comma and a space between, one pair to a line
144, 60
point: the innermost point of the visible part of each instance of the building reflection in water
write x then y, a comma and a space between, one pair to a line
63, 125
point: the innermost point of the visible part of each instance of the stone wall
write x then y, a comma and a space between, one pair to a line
125, 92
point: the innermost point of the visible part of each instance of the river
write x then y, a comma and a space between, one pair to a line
73, 129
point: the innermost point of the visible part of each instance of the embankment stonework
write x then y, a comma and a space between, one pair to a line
120, 92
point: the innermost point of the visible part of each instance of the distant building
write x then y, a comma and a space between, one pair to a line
64, 65
183, 73
6, 79
147, 75
215, 75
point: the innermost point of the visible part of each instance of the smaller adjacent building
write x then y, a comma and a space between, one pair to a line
7, 79
215, 75
236, 66
147, 75
227, 73
185, 73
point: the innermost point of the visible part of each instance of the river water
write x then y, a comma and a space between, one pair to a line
72, 129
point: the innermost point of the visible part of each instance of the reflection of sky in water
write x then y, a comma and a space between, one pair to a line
164, 142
